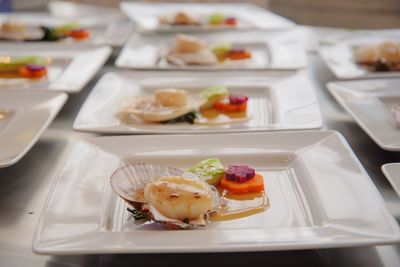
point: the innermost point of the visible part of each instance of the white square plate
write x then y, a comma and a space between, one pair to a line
24, 115
104, 30
370, 103
320, 196
69, 69
339, 54
277, 101
280, 51
146, 15
392, 173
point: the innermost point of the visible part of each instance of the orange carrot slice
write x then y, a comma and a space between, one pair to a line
26, 72
224, 105
239, 54
255, 184
79, 34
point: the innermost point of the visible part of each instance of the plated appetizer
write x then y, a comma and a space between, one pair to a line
30, 67
189, 50
379, 57
183, 18
212, 106
17, 31
185, 199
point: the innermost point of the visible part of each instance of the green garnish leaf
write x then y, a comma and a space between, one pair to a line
211, 170
216, 18
14, 64
188, 117
65, 28
221, 49
213, 94
137, 215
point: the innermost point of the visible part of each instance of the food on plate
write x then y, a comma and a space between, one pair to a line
213, 94
180, 18
31, 67
212, 106
163, 105
18, 31
234, 103
224, 51
169, 196
183, 18
379, 57
219, 18
190, 50
210, 170
179, 199
242, 179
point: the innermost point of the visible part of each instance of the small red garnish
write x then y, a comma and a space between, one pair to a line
79, 34
231, 21
237, 99
239, 173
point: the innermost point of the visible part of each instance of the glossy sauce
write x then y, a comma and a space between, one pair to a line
210, 116
9, 75
236, 206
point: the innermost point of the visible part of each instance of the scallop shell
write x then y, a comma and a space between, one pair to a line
31, 33
203, 57
128, 181
146, 110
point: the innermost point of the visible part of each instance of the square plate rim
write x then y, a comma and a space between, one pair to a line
82, 48
48, 15
334, 88
367, 75
309, 245
388, 174
63, 99
286, 23
269, 41
278, 76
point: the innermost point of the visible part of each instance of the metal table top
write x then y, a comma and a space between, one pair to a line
25, 185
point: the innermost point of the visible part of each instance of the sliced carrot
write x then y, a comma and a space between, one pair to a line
239, 54
224, 105
255, 184
26, 73
79, 34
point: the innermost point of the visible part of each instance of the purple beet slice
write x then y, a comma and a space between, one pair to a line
236, 99
239, 173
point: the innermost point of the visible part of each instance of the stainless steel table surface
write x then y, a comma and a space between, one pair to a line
25, 185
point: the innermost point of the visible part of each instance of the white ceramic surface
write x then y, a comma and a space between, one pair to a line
370, 103
69, 71
146, 15
392, 173
279, 50
104, 30
24, 115
277, 101
337, 52
320, 196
